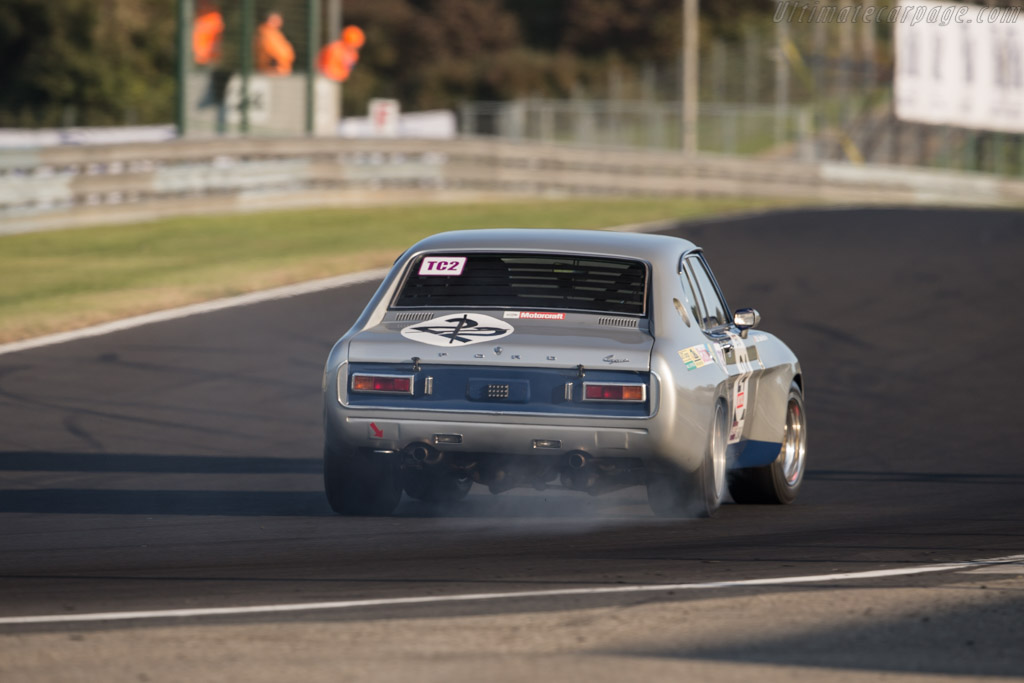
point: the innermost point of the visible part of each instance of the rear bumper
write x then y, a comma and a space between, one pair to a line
480, 434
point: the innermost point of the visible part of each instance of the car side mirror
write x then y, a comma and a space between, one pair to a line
746, 319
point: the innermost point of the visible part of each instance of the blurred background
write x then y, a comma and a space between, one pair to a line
222, 146
587, 71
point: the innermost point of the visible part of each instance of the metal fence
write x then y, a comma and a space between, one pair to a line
805, 82
724, 128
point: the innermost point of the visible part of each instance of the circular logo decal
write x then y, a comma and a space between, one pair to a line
458, 329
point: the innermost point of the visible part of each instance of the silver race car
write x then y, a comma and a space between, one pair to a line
598, 360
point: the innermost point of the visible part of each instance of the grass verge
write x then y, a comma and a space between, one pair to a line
61, 280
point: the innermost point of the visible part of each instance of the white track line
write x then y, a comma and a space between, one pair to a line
481, 597
196, 309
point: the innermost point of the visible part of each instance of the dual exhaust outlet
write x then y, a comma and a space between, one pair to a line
578, 470
428, 455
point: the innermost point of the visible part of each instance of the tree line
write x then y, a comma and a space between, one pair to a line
110, 62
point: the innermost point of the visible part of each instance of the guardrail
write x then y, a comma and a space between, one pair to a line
72, 186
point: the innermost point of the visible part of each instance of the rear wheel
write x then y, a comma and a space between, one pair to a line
435, 486
673, 493
361, 483
779, 482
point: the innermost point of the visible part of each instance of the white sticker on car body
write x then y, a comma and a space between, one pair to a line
696, 357
445, 266
458, 329
740, 387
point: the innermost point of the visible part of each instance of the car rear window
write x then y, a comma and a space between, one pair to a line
526, 281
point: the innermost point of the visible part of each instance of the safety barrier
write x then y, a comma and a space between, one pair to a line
71, 186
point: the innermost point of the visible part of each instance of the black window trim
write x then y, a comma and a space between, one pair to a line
692, 291
414, 258
698, 253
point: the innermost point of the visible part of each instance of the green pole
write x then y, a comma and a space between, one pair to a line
944, 160
181, 66
1020, 155
690, 90
999, 153
313, 40
247, 38
970, 150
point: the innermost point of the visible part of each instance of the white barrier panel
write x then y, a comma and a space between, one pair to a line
82, 185
435, 124
27, 138
961, 65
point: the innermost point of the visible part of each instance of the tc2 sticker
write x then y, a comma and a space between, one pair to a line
458, 329
442, 265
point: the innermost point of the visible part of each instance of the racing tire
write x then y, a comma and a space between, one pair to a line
431, 486
674, 493
779, 482
363, 484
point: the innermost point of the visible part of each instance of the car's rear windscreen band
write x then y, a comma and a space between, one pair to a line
532, 281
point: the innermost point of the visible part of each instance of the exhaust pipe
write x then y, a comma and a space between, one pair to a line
580, 474
578, 460
422, 453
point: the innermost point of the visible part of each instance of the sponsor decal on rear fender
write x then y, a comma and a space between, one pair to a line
458, 329
696, 356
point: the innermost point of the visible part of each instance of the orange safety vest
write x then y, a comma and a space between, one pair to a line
206, 34
274, 54
336, 60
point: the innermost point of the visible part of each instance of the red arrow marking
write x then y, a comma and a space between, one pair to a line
379, 433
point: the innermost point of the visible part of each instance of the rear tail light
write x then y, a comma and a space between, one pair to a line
383, 384
593, 391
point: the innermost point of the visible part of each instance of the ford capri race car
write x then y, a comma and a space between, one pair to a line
597, 360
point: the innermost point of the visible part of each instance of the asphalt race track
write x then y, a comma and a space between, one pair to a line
177, 466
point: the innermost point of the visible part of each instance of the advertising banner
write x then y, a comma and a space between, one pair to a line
961, 65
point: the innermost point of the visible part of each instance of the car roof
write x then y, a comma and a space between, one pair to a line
656, 249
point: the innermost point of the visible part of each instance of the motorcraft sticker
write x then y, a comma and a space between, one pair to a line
532, 315
696, 356
458, 329
740, 387
760, 338
442, 265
